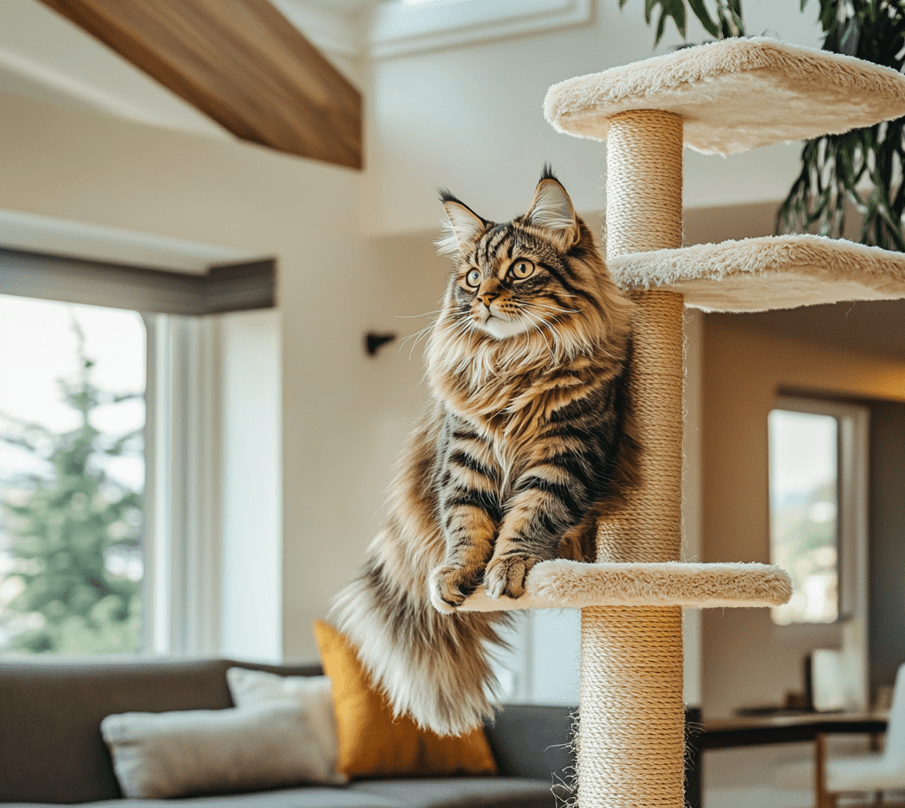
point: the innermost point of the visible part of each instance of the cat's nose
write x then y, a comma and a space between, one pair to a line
488, 297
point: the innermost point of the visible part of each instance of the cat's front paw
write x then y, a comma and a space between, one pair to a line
450, 585
506, 574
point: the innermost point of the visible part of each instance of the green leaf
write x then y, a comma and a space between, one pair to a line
725, 23
848, 40
661, 25
677, 12
700, 11
829, 13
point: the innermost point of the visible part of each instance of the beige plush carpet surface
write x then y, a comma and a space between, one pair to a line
735, 94
772, 272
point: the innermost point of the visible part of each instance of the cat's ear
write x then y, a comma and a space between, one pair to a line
461, 226
552, 210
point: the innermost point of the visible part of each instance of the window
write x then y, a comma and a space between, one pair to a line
817, 466
111, 455
72, 414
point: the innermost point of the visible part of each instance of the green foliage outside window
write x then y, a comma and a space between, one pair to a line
73, 532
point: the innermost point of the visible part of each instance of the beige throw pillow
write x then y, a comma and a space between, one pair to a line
180, 754
314, 693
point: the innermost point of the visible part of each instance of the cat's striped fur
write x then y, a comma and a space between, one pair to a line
511, 465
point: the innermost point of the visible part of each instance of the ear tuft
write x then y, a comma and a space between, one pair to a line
461, 227
552, 209
547, 173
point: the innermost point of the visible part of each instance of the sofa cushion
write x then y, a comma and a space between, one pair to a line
449, 792
308, 797
461, 792
313, 693
374, 743
194, 752
51, 712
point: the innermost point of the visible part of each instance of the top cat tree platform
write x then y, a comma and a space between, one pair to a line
735, 95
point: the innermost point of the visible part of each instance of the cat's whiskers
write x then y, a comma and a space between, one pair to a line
533, 311
463, 353
461, 329
538, 324
538, 327
550, 307
455, 318
415, 316
417, 336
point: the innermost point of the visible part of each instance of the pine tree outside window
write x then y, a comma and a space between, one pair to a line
72, 470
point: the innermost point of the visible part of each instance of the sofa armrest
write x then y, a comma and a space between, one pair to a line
533, 740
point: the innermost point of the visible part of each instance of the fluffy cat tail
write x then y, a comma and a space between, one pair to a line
435, 668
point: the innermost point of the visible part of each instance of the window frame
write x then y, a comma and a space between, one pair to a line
182, 490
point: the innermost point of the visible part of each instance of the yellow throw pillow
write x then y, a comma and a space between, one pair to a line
374, 744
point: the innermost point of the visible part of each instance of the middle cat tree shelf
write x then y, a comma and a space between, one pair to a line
773, 272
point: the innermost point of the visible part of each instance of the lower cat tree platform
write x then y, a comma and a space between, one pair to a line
721, 98
572, 584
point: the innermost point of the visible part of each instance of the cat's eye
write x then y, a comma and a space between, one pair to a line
473, 278
521, 269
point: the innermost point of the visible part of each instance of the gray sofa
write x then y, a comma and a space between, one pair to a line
51, 750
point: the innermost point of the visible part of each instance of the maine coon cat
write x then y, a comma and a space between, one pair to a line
512, 463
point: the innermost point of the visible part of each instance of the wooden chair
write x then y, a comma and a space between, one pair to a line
874, 773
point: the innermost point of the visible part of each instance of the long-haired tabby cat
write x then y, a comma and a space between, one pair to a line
511, 464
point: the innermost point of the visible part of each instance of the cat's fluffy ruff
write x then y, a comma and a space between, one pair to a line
511, 465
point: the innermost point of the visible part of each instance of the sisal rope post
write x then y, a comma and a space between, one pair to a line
631, 738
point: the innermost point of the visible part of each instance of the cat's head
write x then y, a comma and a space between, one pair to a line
530, 290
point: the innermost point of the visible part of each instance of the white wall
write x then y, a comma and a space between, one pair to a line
470, 118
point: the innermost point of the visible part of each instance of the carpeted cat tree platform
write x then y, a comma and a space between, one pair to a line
721, 98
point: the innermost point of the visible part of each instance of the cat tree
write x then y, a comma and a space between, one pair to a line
721, 98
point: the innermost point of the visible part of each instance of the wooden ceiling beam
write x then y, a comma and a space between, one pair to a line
241, 63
